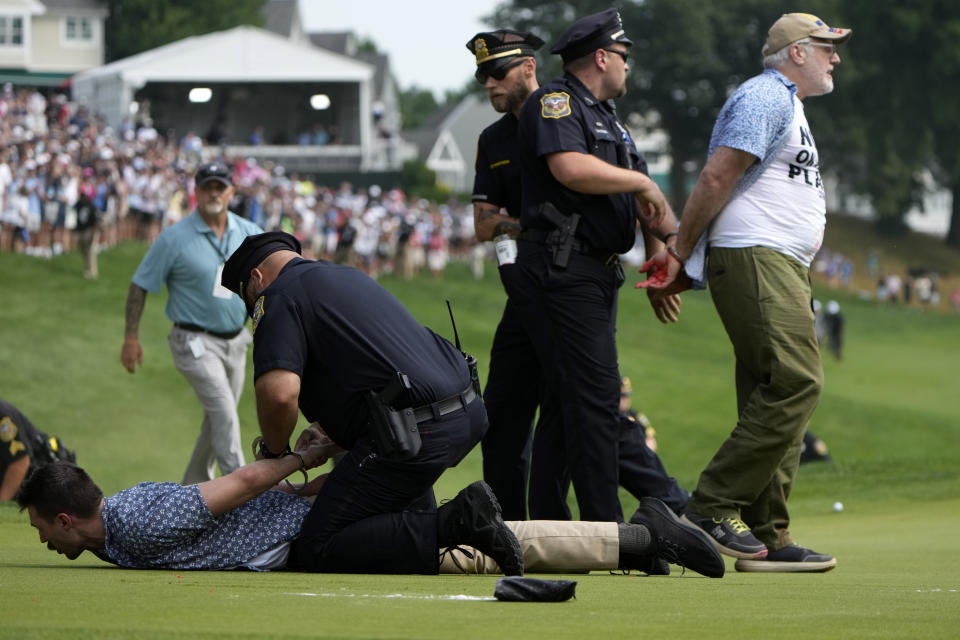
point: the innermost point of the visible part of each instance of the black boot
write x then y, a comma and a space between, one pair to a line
473, 519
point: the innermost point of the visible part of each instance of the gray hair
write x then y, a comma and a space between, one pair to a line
778, 58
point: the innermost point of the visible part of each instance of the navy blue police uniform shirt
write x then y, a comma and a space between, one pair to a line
563, 115
18, 436
497, 178
344, 335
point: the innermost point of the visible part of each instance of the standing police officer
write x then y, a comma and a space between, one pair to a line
331, 342
584, 187
507, 69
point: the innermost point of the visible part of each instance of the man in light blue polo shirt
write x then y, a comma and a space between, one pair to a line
208, 339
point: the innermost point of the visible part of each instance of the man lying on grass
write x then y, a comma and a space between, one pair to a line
240, 521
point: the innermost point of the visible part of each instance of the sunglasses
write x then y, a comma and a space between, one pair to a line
831, 48
497, 74
622, 54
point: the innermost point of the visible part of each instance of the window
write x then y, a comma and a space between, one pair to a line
11, 31
79, 29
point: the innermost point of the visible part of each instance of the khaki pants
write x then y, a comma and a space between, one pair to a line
217, 378
549, 546
763, 298
87, 243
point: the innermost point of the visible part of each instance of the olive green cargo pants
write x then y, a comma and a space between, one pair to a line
763, 298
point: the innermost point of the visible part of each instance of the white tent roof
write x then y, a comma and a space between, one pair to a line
241, 54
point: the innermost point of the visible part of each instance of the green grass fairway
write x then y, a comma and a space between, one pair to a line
889, 413
897, 578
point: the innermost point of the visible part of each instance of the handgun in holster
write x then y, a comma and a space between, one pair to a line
474, 374
562, 239
392, 424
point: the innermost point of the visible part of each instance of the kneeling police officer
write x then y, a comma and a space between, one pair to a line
397, 397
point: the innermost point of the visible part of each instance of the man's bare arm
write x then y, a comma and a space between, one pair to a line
709, 196
488, 222
13, 477
277, 392
589, 174
711, 193
234, 489
132, 354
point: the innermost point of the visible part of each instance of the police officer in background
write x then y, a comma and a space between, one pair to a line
507, 70
24, 447
402, 401
641, 471
584, 188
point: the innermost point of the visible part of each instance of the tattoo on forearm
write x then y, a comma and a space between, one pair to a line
509, 227
136, 299
485, 215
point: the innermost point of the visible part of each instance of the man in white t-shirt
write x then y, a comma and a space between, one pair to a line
759, 207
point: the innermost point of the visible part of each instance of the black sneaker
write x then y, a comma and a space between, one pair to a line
677, 541
473, 519
731, 535
789, 559
657, 567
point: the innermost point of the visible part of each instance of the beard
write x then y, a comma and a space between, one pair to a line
212, 208
513, 99
827, 85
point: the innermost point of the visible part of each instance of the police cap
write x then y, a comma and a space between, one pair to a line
586, 35
497, 51
251, 252
210, 171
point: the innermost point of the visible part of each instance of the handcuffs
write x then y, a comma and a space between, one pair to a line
259, 448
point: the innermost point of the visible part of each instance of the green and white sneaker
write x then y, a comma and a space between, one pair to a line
732, 537
790, 559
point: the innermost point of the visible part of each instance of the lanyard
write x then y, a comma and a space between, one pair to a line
218, 247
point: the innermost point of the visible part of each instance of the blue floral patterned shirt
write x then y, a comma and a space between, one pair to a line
168, 526
755, 118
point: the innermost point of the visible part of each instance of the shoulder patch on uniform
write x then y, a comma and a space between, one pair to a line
257, 313
8, 430
555, 105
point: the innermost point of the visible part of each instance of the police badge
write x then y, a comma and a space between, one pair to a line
555, 105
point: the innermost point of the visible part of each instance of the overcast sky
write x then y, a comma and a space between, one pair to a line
426, 39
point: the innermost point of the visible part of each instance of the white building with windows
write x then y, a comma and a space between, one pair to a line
44, 42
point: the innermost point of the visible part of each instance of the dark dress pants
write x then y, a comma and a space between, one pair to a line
511, 397
641, 471
378, 516
570, 317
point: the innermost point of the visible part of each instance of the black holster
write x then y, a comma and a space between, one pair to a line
392, 425
561, 240
474, 374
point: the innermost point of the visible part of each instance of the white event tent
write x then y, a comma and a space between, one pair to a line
256, 79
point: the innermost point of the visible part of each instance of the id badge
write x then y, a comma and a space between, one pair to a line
196, 347
506, 248
220, 291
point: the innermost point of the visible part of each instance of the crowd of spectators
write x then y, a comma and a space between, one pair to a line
56, 156
919, 286
69, 182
